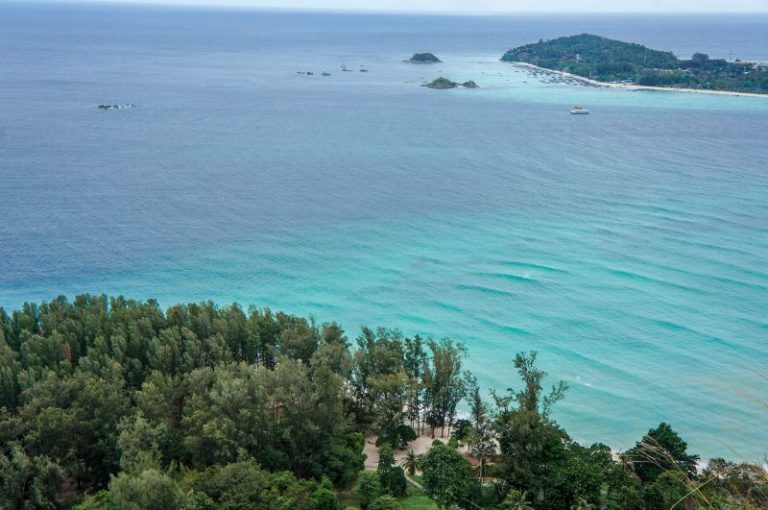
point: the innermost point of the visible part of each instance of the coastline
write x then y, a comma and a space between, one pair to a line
632, 87
423, 443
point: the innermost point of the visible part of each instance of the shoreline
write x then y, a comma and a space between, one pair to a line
423, 443
632, 87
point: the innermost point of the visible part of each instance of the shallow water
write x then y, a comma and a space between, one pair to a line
628, 246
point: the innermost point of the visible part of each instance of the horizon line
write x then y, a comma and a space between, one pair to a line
332, 10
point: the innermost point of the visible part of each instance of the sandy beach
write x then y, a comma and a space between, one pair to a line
629, 86
420, 446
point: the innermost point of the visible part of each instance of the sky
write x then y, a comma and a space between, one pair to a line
489, 6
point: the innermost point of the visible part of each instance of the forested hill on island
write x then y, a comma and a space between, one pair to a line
608, 60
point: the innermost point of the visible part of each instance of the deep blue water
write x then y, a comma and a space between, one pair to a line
628, 247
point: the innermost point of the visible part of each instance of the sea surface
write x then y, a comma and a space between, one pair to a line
628, 247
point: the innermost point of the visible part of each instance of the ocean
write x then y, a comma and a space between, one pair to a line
628, 247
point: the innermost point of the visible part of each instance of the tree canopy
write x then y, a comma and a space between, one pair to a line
109, 403
608, 60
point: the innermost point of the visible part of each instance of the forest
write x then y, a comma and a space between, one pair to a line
111, 403
608, 60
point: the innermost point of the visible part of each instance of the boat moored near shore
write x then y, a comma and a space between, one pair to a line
578, 110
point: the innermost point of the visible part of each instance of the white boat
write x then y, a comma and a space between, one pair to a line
578, 110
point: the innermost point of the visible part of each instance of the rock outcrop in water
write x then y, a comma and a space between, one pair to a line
442, 83
423, 58
445, 83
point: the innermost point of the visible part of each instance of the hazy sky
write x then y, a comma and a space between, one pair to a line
480, 6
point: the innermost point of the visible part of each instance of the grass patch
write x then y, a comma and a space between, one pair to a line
417, 502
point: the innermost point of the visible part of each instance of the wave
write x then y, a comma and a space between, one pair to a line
484, 290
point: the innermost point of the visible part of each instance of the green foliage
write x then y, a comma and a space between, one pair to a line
393, 379
668, 489
461, 430
73, 419
608, 60
444, 386
516, 500
28, 483
10, 368
210, 408
424, 58
581, 478
246, 485
147, 490
592, 56
416, 363
623, 491
100, 501
345, 459
379, 379
447, 476
417, 502
532, 449
532, 446
102, 385
405, 434
442, 83
582, 504
325, 499
411, 463
391, 477
386, 458
393, 481
385, 503
736, 485
368, 488
661, 449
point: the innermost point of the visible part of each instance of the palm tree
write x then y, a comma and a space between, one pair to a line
516, 500
582, 504
411, 462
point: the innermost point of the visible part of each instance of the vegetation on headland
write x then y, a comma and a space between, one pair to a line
108, 403
423, 58
607, 60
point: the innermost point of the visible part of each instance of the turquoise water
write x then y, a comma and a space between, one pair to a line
628, 247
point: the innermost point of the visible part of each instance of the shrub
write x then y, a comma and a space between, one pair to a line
368, 488
385, 503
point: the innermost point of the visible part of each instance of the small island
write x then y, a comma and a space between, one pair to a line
424, 58
445, 83
599, 61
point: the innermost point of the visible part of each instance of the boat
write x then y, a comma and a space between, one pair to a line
326, 73
578, 110
107, 106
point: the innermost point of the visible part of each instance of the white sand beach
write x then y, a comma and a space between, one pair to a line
629, 86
